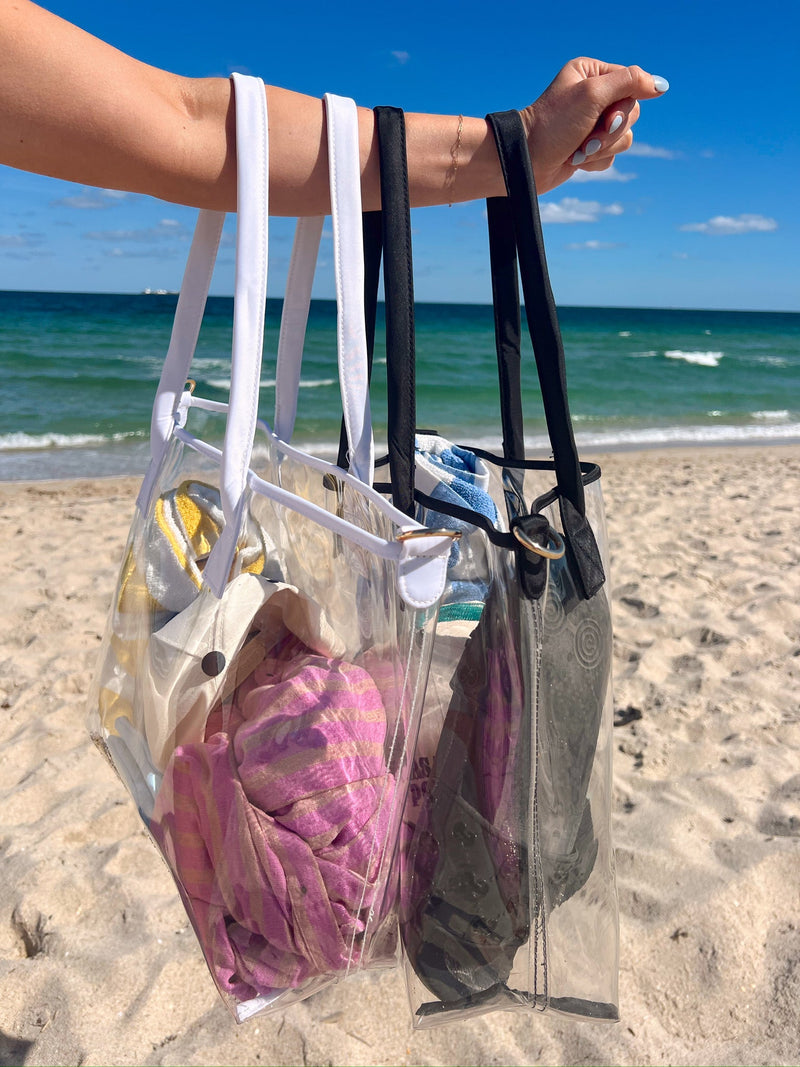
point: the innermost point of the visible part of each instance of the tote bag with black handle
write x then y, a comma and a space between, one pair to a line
508, 888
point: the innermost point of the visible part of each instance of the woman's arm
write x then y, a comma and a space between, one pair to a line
73, 107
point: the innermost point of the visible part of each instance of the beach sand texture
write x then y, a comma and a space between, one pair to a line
97, 961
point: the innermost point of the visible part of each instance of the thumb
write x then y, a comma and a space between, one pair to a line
627, 82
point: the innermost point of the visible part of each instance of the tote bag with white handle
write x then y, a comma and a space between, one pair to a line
261, 678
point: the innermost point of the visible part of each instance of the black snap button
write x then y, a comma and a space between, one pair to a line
213, 663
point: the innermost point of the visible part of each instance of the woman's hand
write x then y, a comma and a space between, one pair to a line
584, 118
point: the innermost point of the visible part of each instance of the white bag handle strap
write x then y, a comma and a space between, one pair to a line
345, 188
250, 100
294, 321
343, 141
249, 306
183, 341
345, 180
250, 296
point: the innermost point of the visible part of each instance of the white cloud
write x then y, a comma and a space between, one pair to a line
593, 246
610, 175
28, 255
570, 209
92, 199
166, 228
401, 57
20, 240
726, 224
649, 151
83, 201
23, 246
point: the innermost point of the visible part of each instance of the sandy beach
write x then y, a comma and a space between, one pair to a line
98, 964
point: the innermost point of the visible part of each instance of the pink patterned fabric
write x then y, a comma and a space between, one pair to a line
275, 823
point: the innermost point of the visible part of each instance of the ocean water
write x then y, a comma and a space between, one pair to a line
79, 372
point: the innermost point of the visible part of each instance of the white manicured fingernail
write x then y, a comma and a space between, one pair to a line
660, 84
592, 147
578, 158
615, 125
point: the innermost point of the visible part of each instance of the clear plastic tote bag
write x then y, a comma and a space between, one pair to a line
509, 897
261, 678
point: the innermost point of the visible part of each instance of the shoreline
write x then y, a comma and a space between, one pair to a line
93, 484
97, 960
328, 451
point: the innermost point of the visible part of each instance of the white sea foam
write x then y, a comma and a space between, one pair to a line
318, 383
206, 364
624, 333
18, 442
269, 383
771, 416
699, 359
538, 445
655, 436
26, 457
617, 439
649, 354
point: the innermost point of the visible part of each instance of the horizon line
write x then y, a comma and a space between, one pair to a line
457, 303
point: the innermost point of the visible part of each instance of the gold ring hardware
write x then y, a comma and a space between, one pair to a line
532, 546
191, 385
412, 535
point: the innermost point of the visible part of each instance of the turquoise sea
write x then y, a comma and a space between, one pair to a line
79, 372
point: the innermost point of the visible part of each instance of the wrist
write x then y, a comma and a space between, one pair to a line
451, 159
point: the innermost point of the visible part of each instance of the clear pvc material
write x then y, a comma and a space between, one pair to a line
266, 736
261, 678
508, 894
509, 899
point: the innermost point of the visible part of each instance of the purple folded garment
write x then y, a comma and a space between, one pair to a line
275, 824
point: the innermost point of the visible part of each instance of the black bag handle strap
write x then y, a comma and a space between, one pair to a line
398, 283
507, 326
515, 233
522, 211
400, 342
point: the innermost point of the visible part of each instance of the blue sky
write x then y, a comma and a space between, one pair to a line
699, 214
